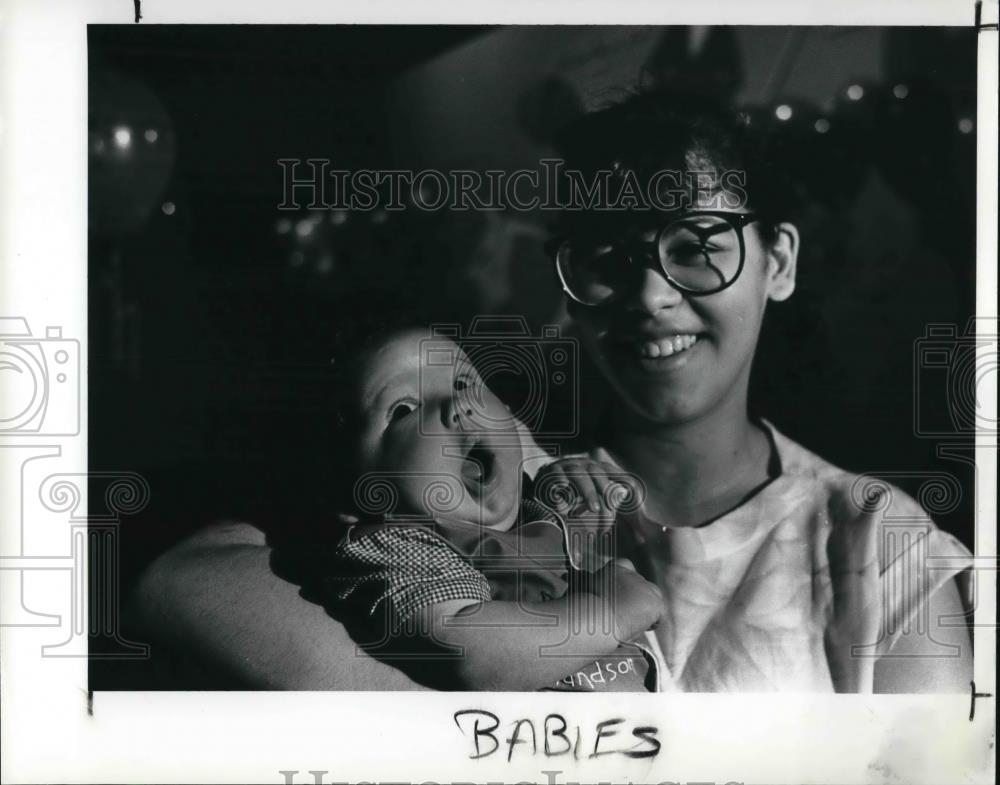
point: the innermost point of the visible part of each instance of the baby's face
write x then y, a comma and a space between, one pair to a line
418, 426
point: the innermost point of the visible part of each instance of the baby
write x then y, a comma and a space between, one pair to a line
450, 555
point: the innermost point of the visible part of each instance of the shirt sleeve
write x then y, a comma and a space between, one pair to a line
401, 570
916, 559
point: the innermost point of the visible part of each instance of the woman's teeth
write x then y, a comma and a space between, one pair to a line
664, 347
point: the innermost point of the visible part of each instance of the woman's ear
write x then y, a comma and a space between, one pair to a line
782, 259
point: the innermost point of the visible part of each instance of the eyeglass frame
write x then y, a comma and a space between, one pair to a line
738, 221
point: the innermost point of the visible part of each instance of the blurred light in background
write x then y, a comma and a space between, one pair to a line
855, 92
965, 125
169, 208
151, 135
901, 91
822, 125
325, 264
122, 136
783, 112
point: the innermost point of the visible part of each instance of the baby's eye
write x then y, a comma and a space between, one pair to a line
401, 409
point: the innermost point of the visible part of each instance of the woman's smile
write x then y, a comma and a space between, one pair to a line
654, 352
665, 346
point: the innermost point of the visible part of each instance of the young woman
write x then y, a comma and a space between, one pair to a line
779, 571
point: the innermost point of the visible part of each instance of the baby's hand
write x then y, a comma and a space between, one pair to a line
588, 495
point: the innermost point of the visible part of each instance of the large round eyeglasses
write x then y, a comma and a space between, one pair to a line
699, 253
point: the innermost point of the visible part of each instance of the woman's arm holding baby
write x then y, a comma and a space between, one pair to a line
216, 598
508, 646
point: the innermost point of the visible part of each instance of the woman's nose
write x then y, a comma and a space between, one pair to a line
651, 292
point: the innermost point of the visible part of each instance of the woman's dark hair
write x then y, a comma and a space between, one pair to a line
650, 132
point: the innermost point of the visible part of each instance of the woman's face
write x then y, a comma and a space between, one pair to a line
672, 358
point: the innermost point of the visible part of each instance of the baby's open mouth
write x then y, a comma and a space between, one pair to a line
479, 466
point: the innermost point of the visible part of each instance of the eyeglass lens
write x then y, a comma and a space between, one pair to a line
701, 253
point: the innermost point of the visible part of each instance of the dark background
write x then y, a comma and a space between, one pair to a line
211, 311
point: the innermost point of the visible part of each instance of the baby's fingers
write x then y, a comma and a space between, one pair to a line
556, 490
578, 486
590, 490
598, 485
605, 485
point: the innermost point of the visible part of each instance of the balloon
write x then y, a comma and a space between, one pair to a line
131, 153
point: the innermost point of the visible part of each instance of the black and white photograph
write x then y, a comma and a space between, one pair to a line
469, 365
412, 332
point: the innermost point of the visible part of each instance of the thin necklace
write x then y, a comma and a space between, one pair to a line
771, 456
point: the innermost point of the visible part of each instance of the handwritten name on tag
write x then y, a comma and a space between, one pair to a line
603, 673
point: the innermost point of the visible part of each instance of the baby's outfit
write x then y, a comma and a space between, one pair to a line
395, 568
